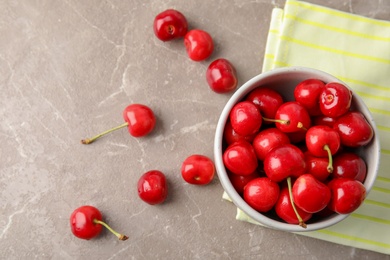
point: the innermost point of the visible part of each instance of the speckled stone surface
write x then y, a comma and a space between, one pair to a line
67, 70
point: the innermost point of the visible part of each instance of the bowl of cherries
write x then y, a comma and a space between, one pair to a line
296, 149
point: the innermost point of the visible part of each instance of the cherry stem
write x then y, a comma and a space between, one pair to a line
330, 164
90, 140
301, 222
300, 126
281, 121
120, 236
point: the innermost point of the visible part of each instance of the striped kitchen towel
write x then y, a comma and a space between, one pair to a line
356, 50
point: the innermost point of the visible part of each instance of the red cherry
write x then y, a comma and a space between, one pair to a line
266, 100
354, 130
221, 76
307, 93
230, 136
335, 99
152, 187
245, 118
268, 139
291, 117
198, 169
86, 223
323, 141
199, 44
310, 194
240, 181
324, 120
347, 195
139, 119
240, 158
261, 194
284, 209
169, 25
284, 161
317, 166
349, 165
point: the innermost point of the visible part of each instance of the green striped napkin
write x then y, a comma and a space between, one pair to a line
356, 50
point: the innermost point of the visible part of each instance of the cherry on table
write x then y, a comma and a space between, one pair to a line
139, 119
152, 187
261, 194
221, 76
307, 93
335, 99
86, 223
198, 169
170, 24
199, 44
354, 129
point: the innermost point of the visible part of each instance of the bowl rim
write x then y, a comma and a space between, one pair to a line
221, 171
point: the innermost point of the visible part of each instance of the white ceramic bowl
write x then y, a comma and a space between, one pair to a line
284, 81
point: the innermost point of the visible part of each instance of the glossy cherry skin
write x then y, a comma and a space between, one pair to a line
317, 137
324, 120
140, 119
240, 181
240, 158
285, 211
268, 139
349, 165
310, 194
221, 76
284, 161
82, 222
266, 100
307, 93
245, 118
317, 166
354, 130
169, 25
347, 195
261, 194
335, 99
152, 187
294, 116
198, 169
199, 44
230, 136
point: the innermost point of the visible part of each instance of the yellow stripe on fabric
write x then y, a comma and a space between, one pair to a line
384, 190
384, 179
373, 219
353, 238
380, 111
274, 31
332, 50
377, 203
269, 56
385, 151
336, 29
364, 83
383, 128
368, 95
338, 13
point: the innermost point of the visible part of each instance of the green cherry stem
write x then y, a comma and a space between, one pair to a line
301, 222
330, 164
119, 236
90, 140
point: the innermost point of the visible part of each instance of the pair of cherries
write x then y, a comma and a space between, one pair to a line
297, 158
171, 24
